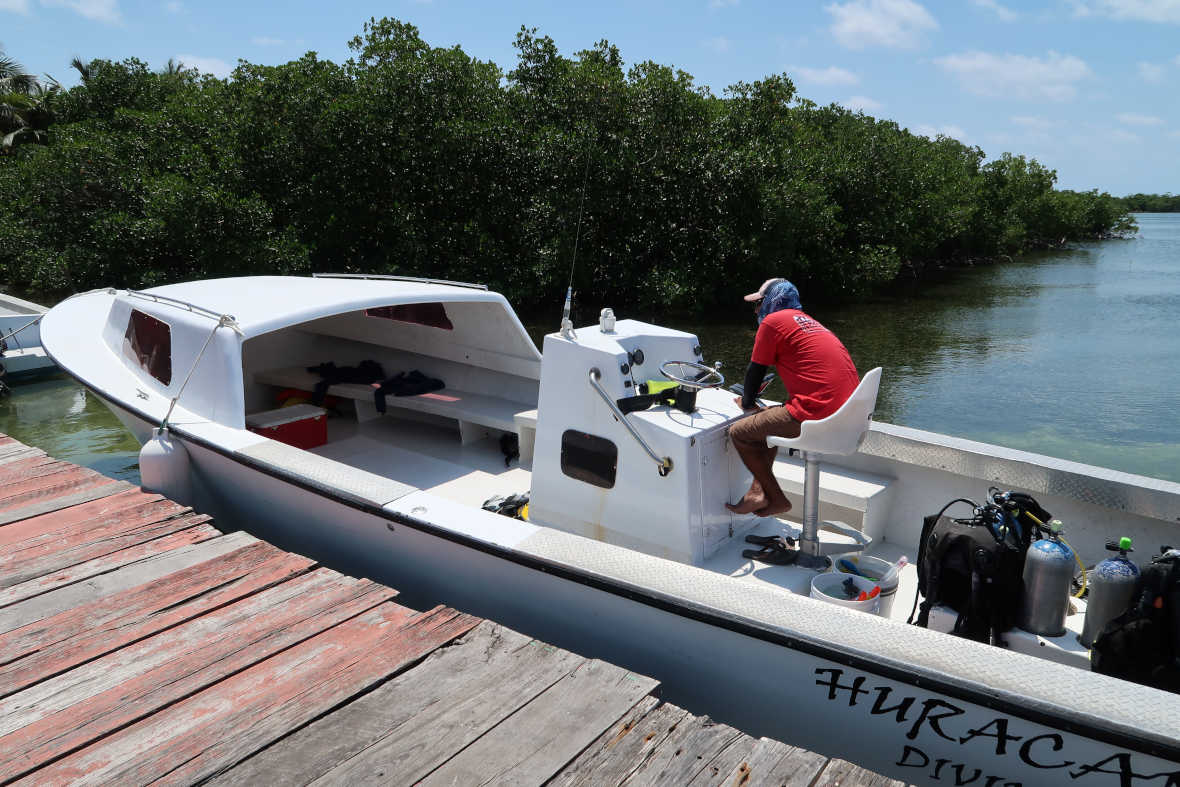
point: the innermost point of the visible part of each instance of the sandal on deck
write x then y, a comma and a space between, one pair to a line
772, 555
782, 542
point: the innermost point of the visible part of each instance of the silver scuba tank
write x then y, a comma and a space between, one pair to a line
1048, 570
1112, 583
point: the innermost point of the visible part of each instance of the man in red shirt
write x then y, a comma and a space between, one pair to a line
819, 377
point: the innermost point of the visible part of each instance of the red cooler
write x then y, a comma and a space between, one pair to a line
302, 425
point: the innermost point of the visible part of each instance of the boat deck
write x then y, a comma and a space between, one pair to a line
140, 643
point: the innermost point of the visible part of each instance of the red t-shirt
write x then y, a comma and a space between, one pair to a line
812, 363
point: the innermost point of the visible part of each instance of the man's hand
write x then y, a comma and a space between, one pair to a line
753, 409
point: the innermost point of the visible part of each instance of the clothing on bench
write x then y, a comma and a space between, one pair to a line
331, 374
405, 384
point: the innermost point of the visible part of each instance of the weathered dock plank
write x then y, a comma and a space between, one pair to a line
44, 501
64, 713
185, 742
156, 567
621, 750
774, 763
50, 551
413, 723
52, 645
198, 530
533, 744
68, 517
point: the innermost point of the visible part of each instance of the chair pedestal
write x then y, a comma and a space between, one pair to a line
809, 555
812, 554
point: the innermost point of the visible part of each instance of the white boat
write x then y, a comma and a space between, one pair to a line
22, 356
628, 553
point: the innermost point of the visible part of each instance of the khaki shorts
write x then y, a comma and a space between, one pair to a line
753, 429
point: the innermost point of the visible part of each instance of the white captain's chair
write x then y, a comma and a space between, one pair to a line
840, 434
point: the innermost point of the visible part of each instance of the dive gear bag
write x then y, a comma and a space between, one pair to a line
974, 565
1142, 644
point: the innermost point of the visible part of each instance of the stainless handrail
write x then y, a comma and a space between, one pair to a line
12, 335
391, 277
192, 307
665, 463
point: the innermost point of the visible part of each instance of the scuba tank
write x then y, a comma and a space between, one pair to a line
1048, 571
1112, 583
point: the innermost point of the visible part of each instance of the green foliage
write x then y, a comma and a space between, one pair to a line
421, 160
26, 106
1151, 203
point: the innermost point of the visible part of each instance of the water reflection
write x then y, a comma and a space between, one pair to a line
64, 420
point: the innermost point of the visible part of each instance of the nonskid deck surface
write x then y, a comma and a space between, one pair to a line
427, 456
138, 642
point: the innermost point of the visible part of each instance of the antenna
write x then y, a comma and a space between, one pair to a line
567, 325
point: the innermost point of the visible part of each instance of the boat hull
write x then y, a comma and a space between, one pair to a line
764, 681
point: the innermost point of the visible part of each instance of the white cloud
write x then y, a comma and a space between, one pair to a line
1032, 122
832, 75
1122, 135
1176, 60
266, 41
1054, 78
100, 10
1151, 72
863, 104
720, 45
926, 130
896, 24
1133, 119
1005, 13
207, 65
17, 6
721, 3
1137, 10
174, 6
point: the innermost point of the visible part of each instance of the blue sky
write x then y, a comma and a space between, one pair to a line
1088, 87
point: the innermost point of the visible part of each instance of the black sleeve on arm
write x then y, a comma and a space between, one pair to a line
755, 372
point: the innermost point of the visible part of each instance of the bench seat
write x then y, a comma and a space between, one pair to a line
851, 489
474, 412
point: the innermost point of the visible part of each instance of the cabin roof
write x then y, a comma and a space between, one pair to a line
262, 304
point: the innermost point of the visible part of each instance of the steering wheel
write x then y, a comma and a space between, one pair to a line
692, 375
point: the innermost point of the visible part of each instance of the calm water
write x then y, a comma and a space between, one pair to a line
67, 422
1074, 354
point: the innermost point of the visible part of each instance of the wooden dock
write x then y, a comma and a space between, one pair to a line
139, 643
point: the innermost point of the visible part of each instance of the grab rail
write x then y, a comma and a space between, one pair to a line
192, 307
665, 463
391, 277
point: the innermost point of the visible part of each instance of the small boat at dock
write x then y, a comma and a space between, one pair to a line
374, 421
22, 355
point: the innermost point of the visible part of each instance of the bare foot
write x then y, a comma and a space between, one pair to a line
748, 504
774, 507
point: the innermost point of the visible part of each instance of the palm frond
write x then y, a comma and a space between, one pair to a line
85, 70
17, 83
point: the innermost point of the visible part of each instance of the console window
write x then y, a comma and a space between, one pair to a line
148, 342
432, 315
588, 458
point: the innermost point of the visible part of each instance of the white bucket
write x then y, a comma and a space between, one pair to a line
830, 588
875, 568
